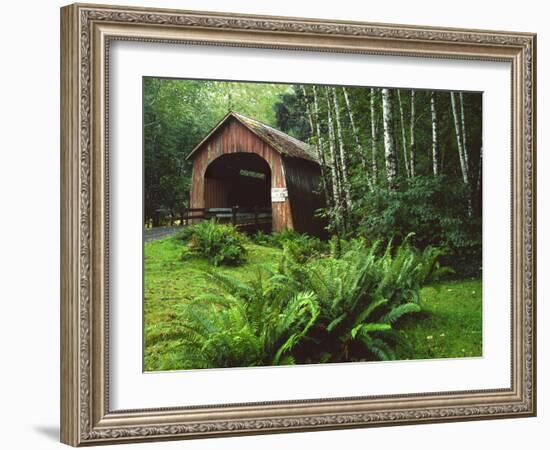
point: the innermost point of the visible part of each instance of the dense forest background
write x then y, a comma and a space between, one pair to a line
394, 161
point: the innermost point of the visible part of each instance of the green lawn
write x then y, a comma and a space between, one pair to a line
169, 280
449, 325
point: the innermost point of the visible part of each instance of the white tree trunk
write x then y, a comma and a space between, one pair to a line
309, 113
459, 142
435, 138
343, 160
412, 151
321, 142
479, 170
459, 132
464, 144
389, 140
374, 136
333, 163
403, 134
318, 125
355, 132
313, 118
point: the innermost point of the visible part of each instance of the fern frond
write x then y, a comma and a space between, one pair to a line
399, 311
365, 328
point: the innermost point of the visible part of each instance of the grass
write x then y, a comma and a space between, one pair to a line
449, 325
168, 281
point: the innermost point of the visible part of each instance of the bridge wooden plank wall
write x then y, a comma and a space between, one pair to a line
236, 138
241, 137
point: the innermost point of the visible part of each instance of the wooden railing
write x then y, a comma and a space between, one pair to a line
236, 216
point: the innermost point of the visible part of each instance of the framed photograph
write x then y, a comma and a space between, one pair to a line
277, 224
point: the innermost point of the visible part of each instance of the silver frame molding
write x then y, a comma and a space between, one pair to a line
86, 31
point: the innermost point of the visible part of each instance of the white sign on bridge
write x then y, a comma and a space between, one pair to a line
278, 195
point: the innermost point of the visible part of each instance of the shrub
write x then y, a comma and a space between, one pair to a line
435, 209
361, 295
220, 244
302, 245
327, 309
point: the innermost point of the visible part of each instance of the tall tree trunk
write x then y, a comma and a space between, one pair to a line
321, 143
318, 121
309, 112
389, 140
412, 151
336, 187
343, 160
463, 124
459, 142
355, 132
313, 118
403, 134
479, 170
374, 136
459, 132
435, 134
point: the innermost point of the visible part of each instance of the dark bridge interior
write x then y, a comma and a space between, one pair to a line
238, 179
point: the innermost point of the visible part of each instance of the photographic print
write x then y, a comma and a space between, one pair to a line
252, 201
302, 224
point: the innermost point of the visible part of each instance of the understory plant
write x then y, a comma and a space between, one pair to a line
220, 244
362, 293
432, 207
302, 245
330, 308
239, 324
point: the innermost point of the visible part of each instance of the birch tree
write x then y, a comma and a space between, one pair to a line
412, 142
374, 136
479, 170
460, 133
355, 133
389, 140
435, 138
336, 185
312, 112
459, 139
464, 144
317, 120
403, 133
309, 112
343, 160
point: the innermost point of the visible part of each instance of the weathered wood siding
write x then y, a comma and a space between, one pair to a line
233, 137
303, 180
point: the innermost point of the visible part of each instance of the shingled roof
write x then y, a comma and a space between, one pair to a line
283, 143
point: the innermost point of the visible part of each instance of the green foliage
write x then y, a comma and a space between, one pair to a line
220, 244
435, 208
177, 114
449, 324
243, 324
301, 245
322, 309
432, 208
289, 113
361, 294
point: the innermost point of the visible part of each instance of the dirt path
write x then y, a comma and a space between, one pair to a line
153, 234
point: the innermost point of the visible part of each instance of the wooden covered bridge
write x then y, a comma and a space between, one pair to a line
246, 165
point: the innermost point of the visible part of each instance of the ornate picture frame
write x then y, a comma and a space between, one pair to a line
86, 34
